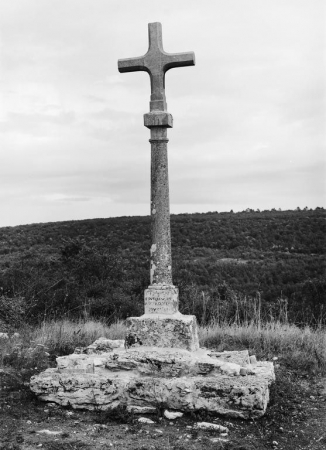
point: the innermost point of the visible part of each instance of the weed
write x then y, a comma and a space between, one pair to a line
120, 414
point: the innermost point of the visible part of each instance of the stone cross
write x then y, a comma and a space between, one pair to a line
162, 296
156, 62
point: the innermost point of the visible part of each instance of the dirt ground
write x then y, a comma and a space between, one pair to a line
295, 420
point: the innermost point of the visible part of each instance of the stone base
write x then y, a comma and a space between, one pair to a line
163, 330
143, 379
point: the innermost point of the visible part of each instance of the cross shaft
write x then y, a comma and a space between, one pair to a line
162, 296
156, 62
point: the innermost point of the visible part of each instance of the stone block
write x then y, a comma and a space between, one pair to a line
158, 119
238, 397
161, 300
163, 330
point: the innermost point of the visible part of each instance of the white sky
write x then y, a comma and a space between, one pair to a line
249, 118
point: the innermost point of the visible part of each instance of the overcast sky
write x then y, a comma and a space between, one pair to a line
249, 118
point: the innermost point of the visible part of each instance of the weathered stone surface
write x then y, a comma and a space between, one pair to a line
75, 363
161, 300
168, 362
158, 119
146, 420
160, 252
240, 357
253, 359
163, 330
143, 378
160, 362
211, 427
142, 409
242, 397
172, 415
101, 345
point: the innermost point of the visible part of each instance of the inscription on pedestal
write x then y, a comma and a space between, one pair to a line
161, 301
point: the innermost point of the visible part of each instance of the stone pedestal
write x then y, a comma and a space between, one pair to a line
104, 376
163, 330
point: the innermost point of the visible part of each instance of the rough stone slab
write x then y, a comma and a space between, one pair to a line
75, 362
161, 301
163, 330
240, 397
101, 345
169, 362
160, 362
237, 356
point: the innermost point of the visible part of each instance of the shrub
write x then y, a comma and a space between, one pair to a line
12, 311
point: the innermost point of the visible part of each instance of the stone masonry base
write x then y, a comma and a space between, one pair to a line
163, 330
105, 375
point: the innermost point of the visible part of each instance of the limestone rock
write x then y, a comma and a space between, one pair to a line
143, 378
253, 360
145, 420
171, 415
239, 357
163, 330
49, 432
212, 427
142, 409
101, 345
75, 363
168, 362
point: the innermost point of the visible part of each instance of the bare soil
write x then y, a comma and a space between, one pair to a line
295, 420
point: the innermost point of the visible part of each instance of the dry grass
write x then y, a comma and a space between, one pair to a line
36, 347
300, 347
64, 335
304, 348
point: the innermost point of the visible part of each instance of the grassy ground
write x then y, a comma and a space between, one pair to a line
304, 348
295, 419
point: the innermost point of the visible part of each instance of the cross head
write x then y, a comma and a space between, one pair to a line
156, 62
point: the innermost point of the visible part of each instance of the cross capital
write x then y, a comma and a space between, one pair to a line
156, 62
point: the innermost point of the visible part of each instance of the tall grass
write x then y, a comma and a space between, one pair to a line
245, 323
304, 348
55, 338
231, 306
64, 335
301, 348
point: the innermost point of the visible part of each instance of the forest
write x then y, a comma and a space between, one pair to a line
226, 265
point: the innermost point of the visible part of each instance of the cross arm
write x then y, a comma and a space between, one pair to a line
132, 64
178, 60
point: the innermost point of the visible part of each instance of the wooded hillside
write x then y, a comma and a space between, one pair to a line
226, 264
